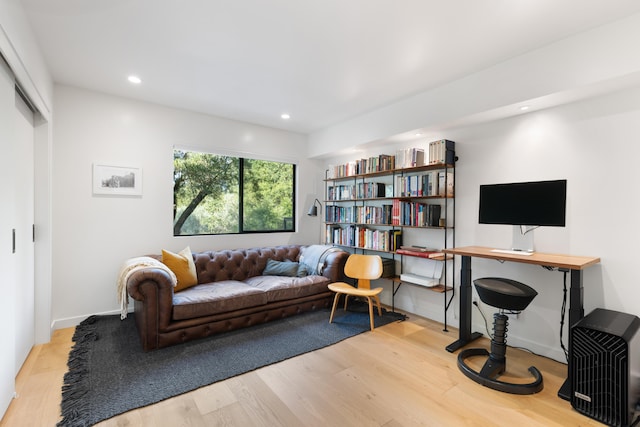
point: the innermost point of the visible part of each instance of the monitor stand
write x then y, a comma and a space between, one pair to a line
523, 238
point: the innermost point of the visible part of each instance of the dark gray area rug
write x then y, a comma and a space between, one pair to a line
109, 374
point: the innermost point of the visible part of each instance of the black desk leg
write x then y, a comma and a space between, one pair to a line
465, 336
576, 312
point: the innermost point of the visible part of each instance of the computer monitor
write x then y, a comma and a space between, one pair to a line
525, 205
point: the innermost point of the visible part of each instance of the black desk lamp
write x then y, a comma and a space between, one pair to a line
313, 210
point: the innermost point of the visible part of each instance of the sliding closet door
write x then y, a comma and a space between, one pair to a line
7, 225
24, 258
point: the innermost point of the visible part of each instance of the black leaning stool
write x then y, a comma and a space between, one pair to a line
505, 294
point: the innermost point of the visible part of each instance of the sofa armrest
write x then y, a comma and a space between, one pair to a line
157, 276
152, 290
334, 266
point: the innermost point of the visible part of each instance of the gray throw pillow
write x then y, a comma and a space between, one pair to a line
281, 268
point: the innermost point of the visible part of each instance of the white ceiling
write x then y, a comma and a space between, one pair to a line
322, 62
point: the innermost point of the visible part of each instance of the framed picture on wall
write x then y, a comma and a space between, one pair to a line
117, 180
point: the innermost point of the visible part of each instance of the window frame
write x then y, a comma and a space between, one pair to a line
241, 157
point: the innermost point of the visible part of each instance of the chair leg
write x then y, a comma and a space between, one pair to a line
370, 312
333, 309
346, 298
378, 304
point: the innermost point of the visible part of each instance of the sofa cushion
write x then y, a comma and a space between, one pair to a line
214, 298
182, 266
280, 288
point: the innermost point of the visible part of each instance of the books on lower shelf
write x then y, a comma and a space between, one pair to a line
421, 252
418, 249
437, 255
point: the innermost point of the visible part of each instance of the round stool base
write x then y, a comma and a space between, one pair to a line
493, 369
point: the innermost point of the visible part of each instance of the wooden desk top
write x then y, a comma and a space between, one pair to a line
538, 258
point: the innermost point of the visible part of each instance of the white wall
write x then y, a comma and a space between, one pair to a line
94, 235
591, 143
592, 62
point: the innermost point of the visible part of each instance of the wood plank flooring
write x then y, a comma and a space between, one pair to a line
397, 375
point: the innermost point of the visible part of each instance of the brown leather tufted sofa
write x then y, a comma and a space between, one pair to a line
231, 293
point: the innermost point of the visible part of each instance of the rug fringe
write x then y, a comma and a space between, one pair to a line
74, 408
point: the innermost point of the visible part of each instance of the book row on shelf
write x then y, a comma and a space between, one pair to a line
442, 151
404, 213
421, 252
430, 184
439, 152
415, 214
361, 190
359, 214
411, 158
365, 238
380, 163
424, 185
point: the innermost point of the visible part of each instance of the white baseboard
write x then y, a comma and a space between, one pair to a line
71, 322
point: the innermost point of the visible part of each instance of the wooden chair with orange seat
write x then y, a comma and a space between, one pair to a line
364, 268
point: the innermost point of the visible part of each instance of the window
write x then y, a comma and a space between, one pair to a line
217, 194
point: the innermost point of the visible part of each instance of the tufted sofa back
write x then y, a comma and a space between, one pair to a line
240, 264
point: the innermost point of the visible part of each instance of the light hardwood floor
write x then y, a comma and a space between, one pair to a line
397, 375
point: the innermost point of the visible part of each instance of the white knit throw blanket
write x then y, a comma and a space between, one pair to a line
129, 267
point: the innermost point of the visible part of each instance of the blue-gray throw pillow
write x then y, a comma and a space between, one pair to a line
303, 270
281, 268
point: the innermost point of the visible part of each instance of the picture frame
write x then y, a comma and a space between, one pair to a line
117, 180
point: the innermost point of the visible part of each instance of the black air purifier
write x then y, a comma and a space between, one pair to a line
604, 369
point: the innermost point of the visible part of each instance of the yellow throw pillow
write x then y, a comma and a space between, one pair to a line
182, 266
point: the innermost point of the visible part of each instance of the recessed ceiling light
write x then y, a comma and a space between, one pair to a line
524, 108
134, 79
418, 134
285, 116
